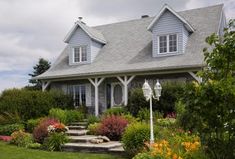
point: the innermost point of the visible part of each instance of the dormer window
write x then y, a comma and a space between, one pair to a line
167, 43
79, 54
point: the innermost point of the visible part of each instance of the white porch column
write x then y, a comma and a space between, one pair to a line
96, 82
125, 82
45, 85
198, 79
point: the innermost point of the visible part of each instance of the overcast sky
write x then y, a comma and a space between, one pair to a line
33, 29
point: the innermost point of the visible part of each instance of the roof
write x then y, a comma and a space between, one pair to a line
92, 33
164, 8
129, 47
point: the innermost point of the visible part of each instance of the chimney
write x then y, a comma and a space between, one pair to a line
144, 16
80, 19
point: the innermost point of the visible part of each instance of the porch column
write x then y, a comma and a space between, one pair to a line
96, 82
125, 83
45, 84
198, 79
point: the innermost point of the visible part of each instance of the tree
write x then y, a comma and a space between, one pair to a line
210, 105
42, 66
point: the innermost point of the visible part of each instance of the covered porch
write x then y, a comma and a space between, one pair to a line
103, 92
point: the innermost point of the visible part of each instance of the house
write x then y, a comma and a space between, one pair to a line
100, 64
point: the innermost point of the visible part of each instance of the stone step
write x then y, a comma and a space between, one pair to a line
118, 151
76, 132
82, 123
89, 147
77, 127
81, 139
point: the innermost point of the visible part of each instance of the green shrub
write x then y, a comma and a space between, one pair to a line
35, 146
166, 122
117, 110
55, 141
32, 104
143, 114
58, 114
32, 123
21, 138
66, 116
10, 128
9, 118
130, 118
94, 128
91, 119
134, 137
171, 92
74, 115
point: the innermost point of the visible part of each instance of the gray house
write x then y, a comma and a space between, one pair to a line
100, 64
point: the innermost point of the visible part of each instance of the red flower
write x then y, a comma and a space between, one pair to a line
5, 138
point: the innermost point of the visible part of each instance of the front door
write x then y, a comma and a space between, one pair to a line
116, 94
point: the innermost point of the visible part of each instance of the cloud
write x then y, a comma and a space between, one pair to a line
33, 29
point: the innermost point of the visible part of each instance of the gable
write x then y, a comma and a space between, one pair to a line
79, 37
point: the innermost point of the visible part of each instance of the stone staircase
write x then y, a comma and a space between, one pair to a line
80, 141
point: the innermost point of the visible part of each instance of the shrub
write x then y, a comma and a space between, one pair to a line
58, 114
32, 123
166, 122
129, 118
21, 138
34, 146
10, 128
5, 138
32, 104
143, 114
94, 128
41, 131
113, 127
74, 115
91, 119
134, 137
171, 92
9, 118
55, 141
117, 110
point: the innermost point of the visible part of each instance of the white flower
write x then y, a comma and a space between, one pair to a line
50, 128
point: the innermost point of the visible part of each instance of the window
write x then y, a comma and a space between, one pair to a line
167, 43
79, 54
78, 92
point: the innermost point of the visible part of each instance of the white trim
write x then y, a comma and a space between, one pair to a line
112, 93
168, 44
167, 7
79, 24
45, 85
198, 79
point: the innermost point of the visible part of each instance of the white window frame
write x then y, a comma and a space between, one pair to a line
80, 54
168, 44
80, 94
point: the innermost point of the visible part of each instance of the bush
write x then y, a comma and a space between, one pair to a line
9, 118
166, 122
35, 146
32, 104
5, 138
117, 110
66, 116
130, 118
41, 131
171, 92
21, 138
32, 123
91, 119
10, 128
55, 141
74, 115
94, 128
113, 127
58, 114
134, 138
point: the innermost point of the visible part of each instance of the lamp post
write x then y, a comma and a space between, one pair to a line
149, 94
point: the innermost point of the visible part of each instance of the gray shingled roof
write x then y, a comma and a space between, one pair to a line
129, 48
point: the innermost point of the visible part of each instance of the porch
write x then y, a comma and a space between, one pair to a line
101, 93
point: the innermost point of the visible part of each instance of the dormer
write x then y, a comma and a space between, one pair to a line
84, 43
170, 33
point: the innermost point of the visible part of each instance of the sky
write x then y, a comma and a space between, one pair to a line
30, 30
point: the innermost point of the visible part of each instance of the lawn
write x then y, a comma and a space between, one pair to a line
13, 152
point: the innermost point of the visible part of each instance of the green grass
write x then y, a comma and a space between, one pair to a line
13, 152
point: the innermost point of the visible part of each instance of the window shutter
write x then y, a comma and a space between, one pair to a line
88, 95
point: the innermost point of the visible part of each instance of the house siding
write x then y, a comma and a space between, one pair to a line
80, 38
95, 48
168, 23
